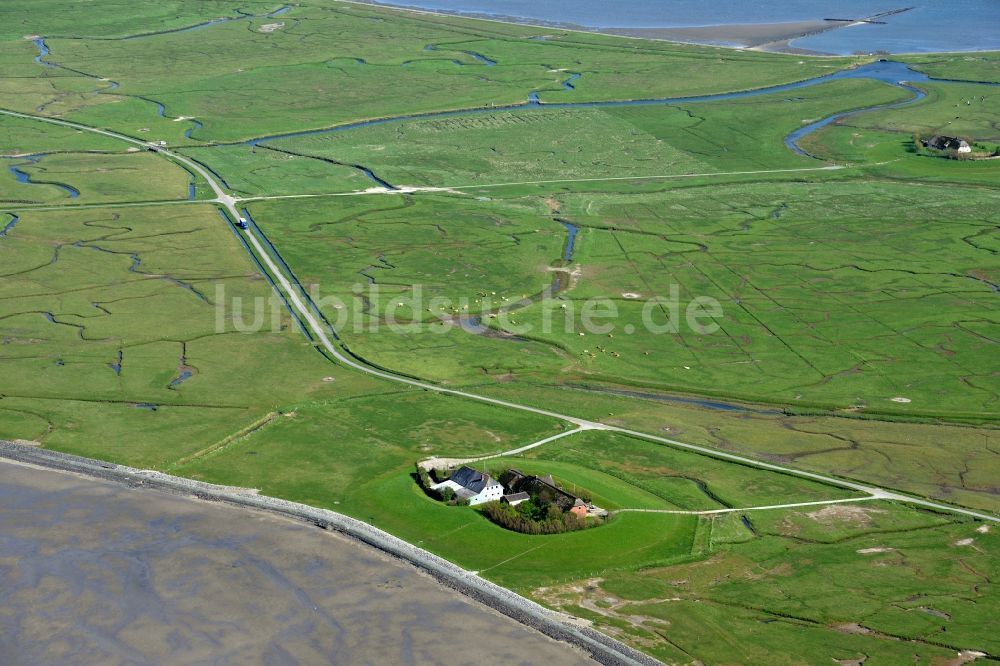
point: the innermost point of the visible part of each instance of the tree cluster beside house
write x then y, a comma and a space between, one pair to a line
518, 501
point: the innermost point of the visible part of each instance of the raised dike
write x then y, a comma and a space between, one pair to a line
601, 648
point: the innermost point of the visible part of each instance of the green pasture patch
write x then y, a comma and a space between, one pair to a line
116, 308
119, 177
723, 632
21, 136
116, 19
547, 144
606, 490
979, 66
953, 465
255, 171
882, 584
685, 479
307, 74
128, 432
137, 117
520, 561
892, 156
827, 301
805, 289
327, 450
448, 248
501, 147
953, 109
835, 523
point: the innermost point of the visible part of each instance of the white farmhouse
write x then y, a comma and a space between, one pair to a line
476, 487
939, 142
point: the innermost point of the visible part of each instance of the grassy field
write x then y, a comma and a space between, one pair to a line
967, 66
780, 598
954, 109
110, 342
57, 178
305, 74
955, 463
624, 142
858, 334
20, 136
119, 18
684, 480
251, 171
899, 288
885, 140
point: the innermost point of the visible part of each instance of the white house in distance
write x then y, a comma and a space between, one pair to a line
476, 487
939, 142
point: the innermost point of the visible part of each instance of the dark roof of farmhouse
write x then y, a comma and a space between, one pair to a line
471, 479
941, 142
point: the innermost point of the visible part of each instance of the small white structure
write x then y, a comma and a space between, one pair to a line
476, 487
516, 498
964, 147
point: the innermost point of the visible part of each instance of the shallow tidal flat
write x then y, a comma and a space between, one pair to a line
769, 36
95, 573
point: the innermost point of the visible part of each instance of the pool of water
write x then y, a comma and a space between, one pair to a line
180, 379
43, 50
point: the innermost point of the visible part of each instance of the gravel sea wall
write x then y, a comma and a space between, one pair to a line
603, 649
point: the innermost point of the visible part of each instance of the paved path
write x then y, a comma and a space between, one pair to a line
457, 189
322, 335
403, 189
662, 177
438, 463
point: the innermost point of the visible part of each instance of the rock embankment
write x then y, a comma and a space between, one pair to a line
601, 648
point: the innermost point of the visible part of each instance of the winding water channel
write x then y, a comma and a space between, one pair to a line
24, 177
14, 219
243, 16
887, 71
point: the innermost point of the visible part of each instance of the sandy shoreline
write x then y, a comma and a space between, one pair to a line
762, 36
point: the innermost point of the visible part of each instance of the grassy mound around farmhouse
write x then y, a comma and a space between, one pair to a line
524, 503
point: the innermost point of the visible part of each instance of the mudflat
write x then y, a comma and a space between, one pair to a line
769, 36
94, 572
